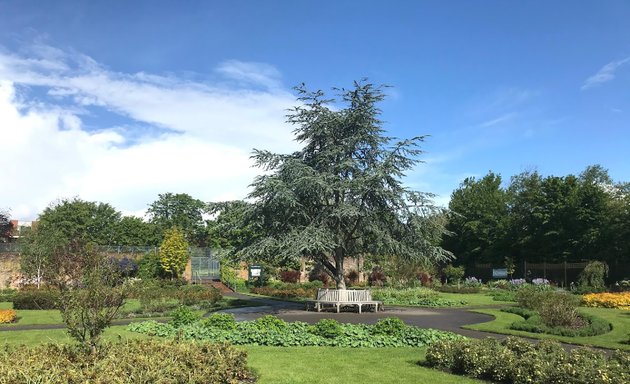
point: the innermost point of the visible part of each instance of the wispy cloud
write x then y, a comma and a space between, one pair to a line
196, 136
605, 74
499, 120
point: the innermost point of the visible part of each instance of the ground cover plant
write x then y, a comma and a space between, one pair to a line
138, 361
518, 361
271, 331
590, 325
419, 296
7, 316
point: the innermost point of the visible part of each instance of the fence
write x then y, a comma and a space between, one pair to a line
562, 274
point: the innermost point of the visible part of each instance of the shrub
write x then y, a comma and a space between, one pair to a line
328, 328
559, 309
224, 321
592, 277
149, 267
472, 281
453, 274
592, 325
499, 284
7, 316
377, 277
517, 361
7, 295
289, 291
183, 316
529, 298
198, 295
269, 322
136, 361
290, 276
391, 326
31, 298
456, 289
352, 277
619, 300
413, 296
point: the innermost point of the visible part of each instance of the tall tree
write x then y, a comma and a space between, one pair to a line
134, 231
477, 220
182, 211
341, 195
81, 220
228, 229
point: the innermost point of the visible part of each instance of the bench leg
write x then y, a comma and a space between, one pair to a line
338, 305
359, 308
319, 307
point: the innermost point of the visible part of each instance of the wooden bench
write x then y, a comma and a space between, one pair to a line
344, 297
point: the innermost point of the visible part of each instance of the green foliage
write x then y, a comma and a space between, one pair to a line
133, 231
589, 325
341, 195
224, 321
423, 297
41, 252
556, 309
183, 316
275, 332
88, 306
182, 211
328, 328
199, 295
174, 252
592, 277
137, 361
454, 274
29, 298
391, 326
516, 361
149, 267
289, 290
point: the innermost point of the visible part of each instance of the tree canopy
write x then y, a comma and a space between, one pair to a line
341, 196
182, 211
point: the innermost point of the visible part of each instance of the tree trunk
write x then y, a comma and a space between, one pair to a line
339, 275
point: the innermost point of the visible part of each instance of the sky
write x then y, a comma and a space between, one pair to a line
118, 101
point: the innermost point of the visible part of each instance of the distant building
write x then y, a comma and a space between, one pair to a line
18, 229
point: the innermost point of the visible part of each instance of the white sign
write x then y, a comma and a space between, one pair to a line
499, 273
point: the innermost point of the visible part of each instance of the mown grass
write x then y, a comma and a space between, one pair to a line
615, 339
51, 317
473, 299
37, 336
328, 365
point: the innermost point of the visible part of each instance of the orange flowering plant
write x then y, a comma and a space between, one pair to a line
7, 316
619, 300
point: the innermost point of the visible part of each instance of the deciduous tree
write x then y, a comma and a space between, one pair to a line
174, 252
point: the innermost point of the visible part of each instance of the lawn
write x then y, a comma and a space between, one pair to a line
620, 320
474, 299
297, 364
330, 365
42, 317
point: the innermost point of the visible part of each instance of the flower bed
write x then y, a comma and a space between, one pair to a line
271, 331
7, 316
591, 325
620, 300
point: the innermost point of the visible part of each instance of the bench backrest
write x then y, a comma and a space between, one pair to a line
347, 295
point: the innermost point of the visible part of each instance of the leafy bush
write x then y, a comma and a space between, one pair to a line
420, 296
289, 276
517, 361
559, 309
453, 274
328, 328
592, 277
498, 284
619, 300
149, 267
7, 295
269, 322
456, 289
7, 316
529, 298
31, 298
224, 321
391, 326
200, 295
472, 281
183, 316
377, 277
289, 291
137, 361
267, 331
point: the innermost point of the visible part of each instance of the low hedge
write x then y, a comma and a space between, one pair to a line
456, 289
44, 298
271, 331
422, 297
517, 361
137, 361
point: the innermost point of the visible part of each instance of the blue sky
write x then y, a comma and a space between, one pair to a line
118, 101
